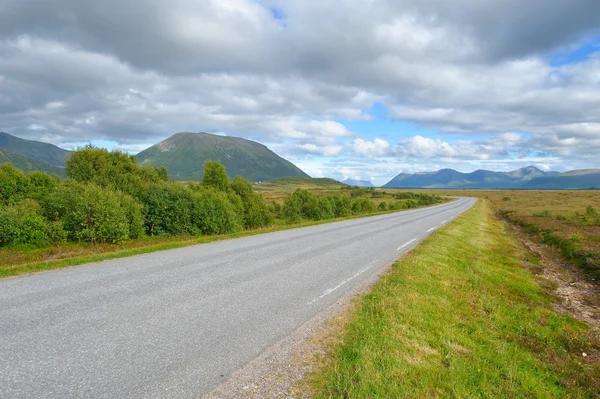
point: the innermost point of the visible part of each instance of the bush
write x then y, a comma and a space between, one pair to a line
382, 206
301, 204
14, 184
114, 169
22, 223
326, 210
543, 214
93, 214
254, 209
167, 209
342, 205
214, 213
362, 205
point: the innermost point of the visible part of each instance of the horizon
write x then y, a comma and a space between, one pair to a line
367, 180
343, 89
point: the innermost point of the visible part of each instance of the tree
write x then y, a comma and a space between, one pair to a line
255, 212
215, 176
114, 169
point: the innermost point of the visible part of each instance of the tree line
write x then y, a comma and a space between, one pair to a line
109, 198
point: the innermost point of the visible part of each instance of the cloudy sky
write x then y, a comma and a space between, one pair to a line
344, 88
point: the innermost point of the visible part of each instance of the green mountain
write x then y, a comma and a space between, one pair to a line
35, 150
575, 179
449, 178
29, 165
184, 155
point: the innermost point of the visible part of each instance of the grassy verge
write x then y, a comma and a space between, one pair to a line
460, 317
14, 262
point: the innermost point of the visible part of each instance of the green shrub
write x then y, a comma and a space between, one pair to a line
254, 209
382, 206
214, 213
14, 184
302, 204
362, 205
167, 209
56, 233
342, 205
93, 214
22, 223
114, 169
215, 176
543, 214
326, 210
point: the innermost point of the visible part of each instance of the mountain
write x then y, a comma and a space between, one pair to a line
575, 179
449, 178
184, 155
29, 165
34, 150
358, 183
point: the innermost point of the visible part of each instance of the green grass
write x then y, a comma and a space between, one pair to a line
460, 317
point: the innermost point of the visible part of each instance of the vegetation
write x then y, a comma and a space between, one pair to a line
110, 198
29, 165
109, 202
460, 317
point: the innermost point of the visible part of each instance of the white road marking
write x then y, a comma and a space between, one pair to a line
330, 290
408, 243
431, 229
444, 222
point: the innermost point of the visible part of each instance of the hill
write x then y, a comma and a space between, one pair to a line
29, 165
449, 178
575, 179
34, 150
358, 183
184, 155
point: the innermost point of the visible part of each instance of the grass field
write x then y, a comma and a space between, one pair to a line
460, 317
567, 220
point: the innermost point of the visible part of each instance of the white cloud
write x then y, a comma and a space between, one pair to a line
369, 149
478, 69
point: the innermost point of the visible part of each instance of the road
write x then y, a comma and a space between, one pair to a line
175, 324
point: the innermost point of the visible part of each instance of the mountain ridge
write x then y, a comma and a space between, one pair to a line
37, 151
523, 178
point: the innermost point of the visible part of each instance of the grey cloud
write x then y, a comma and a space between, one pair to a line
135, 72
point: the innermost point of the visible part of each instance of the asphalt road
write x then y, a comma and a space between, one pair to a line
175, 324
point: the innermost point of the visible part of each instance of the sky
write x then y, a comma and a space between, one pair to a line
361, 89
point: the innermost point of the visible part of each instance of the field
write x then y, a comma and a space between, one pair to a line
567, 220
461, 317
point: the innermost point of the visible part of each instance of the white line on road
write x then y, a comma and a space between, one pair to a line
431, 229
408, 243
330, 290
444, 222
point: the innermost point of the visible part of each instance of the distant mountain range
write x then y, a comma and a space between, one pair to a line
524, 178
358, 183
184, 155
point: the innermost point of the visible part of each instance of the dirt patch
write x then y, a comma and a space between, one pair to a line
576, 296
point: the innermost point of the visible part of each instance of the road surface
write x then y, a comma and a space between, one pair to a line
175, 324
